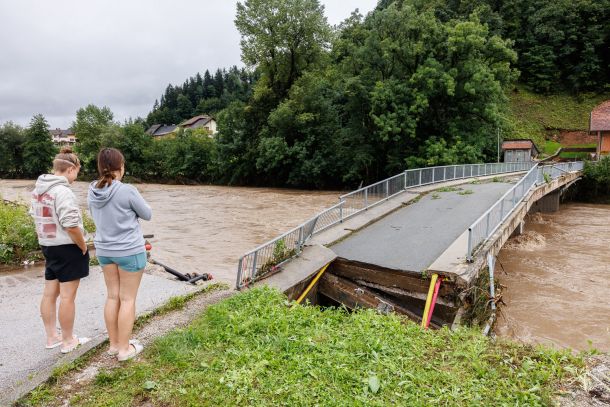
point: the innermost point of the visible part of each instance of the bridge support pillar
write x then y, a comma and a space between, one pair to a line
548, 203
519, 230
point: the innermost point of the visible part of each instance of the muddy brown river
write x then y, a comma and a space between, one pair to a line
556, 277
207, 228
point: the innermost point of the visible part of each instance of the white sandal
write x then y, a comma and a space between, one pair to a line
137, 348
116, 352
79, 342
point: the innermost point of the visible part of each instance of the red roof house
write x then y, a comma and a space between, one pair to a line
599, 123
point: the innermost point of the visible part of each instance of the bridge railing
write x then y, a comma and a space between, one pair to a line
266, 259
490, 221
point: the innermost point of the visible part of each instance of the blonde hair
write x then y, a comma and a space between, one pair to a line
65, 159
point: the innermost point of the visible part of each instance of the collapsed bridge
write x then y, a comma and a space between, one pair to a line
414, 244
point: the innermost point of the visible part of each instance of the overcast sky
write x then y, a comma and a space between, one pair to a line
57, 56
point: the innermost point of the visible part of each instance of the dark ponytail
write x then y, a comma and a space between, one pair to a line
109, 160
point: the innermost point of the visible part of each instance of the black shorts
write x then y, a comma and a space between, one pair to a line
65, 263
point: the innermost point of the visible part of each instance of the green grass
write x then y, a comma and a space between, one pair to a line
448, 189
18, 238
466, 192
254, 349
534, 114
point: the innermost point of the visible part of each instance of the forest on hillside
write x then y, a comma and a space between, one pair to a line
413, 83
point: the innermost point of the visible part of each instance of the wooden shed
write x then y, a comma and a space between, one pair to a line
519, 150
599, 124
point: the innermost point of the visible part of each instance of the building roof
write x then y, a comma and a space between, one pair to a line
62, 133
195, 119
152, 129
600, 117
161, 129
519, 144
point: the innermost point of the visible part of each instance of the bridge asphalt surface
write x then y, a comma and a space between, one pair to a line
413, 237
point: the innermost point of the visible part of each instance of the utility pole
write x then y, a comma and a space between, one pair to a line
498, 131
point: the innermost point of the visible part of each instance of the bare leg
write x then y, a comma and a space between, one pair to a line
67, 294
113, 303
128, 290
48, 307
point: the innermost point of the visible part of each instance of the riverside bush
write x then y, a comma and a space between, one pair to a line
255, 349
17, 233
595, 184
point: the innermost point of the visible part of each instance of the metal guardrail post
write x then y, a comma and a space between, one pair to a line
254, 265
420, 171
405, 180
444, 173
387, 189
301, 242
487, 226
469, 254
366, 198
239, 273
341, 212
502, 210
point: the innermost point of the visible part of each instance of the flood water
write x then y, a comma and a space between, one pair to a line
206, 229
557, 279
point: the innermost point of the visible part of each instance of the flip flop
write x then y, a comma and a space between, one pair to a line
53, 346
80, 341
137, 348
114, 353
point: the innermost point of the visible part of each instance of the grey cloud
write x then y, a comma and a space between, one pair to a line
57, 56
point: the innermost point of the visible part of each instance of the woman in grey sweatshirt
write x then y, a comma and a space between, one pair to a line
59, 226
116, 209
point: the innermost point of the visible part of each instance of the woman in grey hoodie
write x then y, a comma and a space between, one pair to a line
59, 226
119, 245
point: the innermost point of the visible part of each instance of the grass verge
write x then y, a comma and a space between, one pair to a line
253, 349
533, 114
49, 391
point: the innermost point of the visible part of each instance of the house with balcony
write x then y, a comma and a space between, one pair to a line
63, 137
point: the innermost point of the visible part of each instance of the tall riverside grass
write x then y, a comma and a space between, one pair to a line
254, 349
17, 233
18, 240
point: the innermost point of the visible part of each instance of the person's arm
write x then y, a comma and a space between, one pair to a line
139, 205
77, 237
68, 215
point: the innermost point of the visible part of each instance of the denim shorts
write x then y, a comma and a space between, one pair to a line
135, 262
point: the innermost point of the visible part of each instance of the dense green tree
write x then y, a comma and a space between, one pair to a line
283, 38
562, 44
38, 148
422, 81
12, 137
91, 122
201, 95
184, 107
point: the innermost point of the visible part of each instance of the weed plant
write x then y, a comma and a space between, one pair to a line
255, 349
